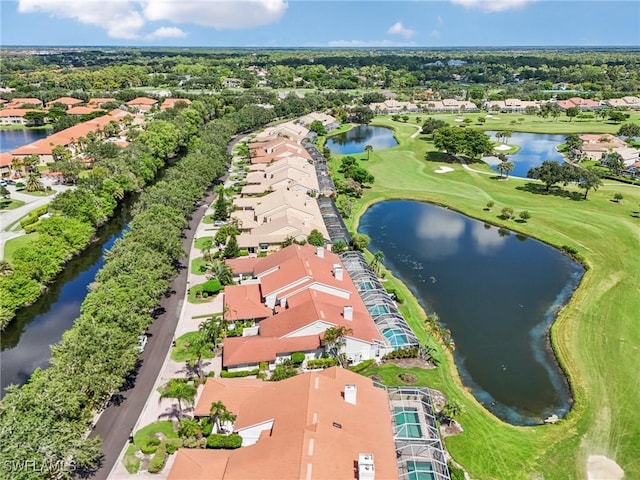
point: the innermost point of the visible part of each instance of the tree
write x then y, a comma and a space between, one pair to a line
200, 345
451, 410
231, 250
30, 162
363, 115
368, 149
617, 116
189, 428
333, 340
181, 391
589, 179
316, 238
572, 112
221, 205
339, 247
505, 167
573, 142
4, 192
448, 139
317, 127
506, 213
213, 329
614, 161
629, 130
219, 414
549, 172
431, 124
34, 184
35, 117
618, 197
476, 143
221, 271
359, 241
376, 261
524, 215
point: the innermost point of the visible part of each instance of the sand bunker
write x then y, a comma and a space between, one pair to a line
502, 147
600, 467
459, 119
443, 169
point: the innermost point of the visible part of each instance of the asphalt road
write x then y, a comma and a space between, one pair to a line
116, 422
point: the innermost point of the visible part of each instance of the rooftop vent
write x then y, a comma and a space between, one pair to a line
351, 394
366, 468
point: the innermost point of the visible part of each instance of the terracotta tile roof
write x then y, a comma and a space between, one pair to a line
142, 101
230, 391
69, 101
256, 349
81, 110
5, 159
171, 102
199, 464
100, 101
244, 265
16, 112
310, 432
18, 102
242, 302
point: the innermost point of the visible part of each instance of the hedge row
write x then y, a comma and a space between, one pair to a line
322, 363
243, 373
224, 441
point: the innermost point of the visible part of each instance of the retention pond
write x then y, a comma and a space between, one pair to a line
498, 293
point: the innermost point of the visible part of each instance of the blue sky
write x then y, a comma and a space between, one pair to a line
316, 23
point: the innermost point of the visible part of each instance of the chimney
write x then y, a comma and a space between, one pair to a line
337, 271
320, 252
366, 469
350, 394
347, 312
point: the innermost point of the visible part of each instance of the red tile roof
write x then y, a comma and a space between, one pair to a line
171, 102
16, 112
243, 265
81, 110
69, 101
142, 101
242, 302
255, 349
5, 159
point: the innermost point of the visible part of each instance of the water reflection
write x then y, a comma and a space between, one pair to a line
355, 140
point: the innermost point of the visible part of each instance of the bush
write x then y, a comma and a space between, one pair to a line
158, 459
262, 254
362, 366
297, 358
207, 426
243, 253
322, 363
173, 444
31, 228
283, 372
245, 373
29, 220
131, 463
224, 441
409, 352
211, 374
150, 446
211, 287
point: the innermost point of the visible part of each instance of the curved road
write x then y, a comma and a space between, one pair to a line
115, 424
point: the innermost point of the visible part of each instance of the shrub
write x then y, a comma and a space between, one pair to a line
490, 204
31, 228
224, 441
211, 374
362, 366
507, 213
173, 444
283, 372
150, 445
211, 287
322, 363
524, 215
297, 358
207, 426
132, 464
245, 373
262, 254
409, 352
28, 221
243, 253
158, 459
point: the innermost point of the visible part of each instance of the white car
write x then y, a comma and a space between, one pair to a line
142, 342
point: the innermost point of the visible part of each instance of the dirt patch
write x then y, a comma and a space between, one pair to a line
600, 467
410, 362
409, 378
450, 429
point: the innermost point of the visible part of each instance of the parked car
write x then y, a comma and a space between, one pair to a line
3, 183
219, 223
10, 182
142, 342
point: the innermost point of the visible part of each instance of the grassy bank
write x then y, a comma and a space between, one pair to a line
596, 335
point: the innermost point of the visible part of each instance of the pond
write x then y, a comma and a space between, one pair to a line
534, 149
354, 140
12, 139
496, 291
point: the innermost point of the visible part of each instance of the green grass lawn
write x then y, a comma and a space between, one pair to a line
41, 193
203, 243
208, 219
10, 203
198, 266
183, 350
14, 244
596, 335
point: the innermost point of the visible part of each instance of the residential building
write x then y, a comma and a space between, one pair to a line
276, 148
625, 102
171, 102
6, 160
582, 104
289, 299
328, 122
142, 104
290, 130
393, 106
82, 110
99, 102
15, 116
68, 102
594, 146
25, 103
231, 82
510, 105
330, 425
450, 105
293, 173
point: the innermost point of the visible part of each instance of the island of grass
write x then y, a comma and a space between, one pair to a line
596, 336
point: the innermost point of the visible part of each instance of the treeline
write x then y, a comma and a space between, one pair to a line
45, 420
77, 213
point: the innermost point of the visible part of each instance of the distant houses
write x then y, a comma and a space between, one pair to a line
598, 146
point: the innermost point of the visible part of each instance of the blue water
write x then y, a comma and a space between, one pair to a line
354, 140
12, 139
496, 291
408, 423
420, 470
534, 149
396, 337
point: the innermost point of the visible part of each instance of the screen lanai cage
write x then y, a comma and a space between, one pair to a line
383, 310
419, 452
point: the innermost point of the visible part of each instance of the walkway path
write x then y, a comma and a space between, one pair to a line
417, 132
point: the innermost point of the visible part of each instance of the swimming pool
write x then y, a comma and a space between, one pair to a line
408, 422
376, 310
396, 337
365, 286
420, 470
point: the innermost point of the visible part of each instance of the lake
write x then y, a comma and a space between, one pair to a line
12, 139
496, 291
534, 149
354, 140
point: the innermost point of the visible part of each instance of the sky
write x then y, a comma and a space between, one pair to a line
320, 23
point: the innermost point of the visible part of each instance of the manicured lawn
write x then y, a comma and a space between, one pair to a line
596, 335
10, 203
14, 244
43, 193
183, 350
203, 243
198, 266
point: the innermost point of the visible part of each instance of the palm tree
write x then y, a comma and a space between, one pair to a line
30, 161
334, 340
506, 135
200, 345
505, 167
189, 428
221, 271
220, 414
181, 391
34, 184
368, 149
451, 410
17, 165
377, 259
212, 329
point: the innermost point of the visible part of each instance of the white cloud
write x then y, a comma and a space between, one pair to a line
488, 241
435, 33
220, 14
166, 32
128, 18
493, 5
439, 20
366, 43
399, 29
